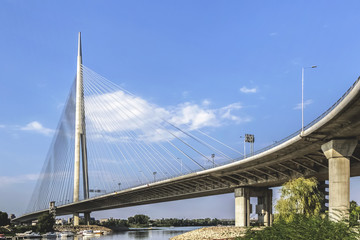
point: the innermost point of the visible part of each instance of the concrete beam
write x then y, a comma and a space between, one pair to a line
339, 152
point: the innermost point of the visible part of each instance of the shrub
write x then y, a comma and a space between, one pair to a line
299, 196
302, 227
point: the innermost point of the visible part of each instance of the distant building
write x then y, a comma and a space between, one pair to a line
103, 220
60, 221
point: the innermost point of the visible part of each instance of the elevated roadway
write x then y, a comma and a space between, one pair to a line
300, 154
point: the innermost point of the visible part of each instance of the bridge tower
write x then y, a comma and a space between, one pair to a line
80, 138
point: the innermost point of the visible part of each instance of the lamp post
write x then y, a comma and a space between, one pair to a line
302, 97
244, 147
154, 176
249, 138
213, 159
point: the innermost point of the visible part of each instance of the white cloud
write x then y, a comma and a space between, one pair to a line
194, 116
37, 127
306, 103
18, 179
60, 106
185, 94
2, 126
226, 113
206, 102
273, 34
248, 90
127, 115
296, 61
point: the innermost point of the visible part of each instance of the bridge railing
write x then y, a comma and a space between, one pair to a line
277, 143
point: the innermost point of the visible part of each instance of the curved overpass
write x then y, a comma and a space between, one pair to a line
297, 155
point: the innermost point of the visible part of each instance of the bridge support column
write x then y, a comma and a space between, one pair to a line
242, 207
87, 218
52, 208
338, 153
323, 186
76, 219
264, 208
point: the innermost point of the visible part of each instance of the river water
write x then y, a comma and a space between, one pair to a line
159, 233
156, 233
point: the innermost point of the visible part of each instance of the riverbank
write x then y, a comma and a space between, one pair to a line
213, 233
69, 228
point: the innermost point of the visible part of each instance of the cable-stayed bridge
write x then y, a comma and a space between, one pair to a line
112, 149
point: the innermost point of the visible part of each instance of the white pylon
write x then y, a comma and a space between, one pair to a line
80, 136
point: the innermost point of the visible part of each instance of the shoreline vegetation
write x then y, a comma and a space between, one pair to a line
143, 221
46, 223
300, 215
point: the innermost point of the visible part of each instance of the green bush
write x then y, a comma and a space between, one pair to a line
46, 223
4, 231
4, 220
302, 227
354, 214
299, 196
23, 228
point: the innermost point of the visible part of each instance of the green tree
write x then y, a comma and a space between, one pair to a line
304, 228
141, 219
4, 219
354, 214
131, 220
299, 196
46, 223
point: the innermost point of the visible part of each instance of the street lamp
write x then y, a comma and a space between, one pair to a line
244, 147
154, 176
119, 185
249, 138
213, 156
302, 97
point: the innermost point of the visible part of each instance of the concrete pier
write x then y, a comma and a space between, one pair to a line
76, 219
264, 208
242, 207
338, 153
87, 218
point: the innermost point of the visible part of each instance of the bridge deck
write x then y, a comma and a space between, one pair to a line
297, 156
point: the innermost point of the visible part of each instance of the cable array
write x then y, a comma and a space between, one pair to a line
55, 181
130, 142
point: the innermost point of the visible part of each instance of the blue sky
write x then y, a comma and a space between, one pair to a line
208, 54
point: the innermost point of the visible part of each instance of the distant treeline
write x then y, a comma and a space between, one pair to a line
190, 222
141, 220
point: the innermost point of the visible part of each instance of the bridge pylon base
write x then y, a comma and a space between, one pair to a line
76, 219
338, 152
87, 218
243, 207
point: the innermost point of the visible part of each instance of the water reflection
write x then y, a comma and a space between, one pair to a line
147, 234
139, 234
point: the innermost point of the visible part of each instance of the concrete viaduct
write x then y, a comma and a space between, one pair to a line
328, 149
